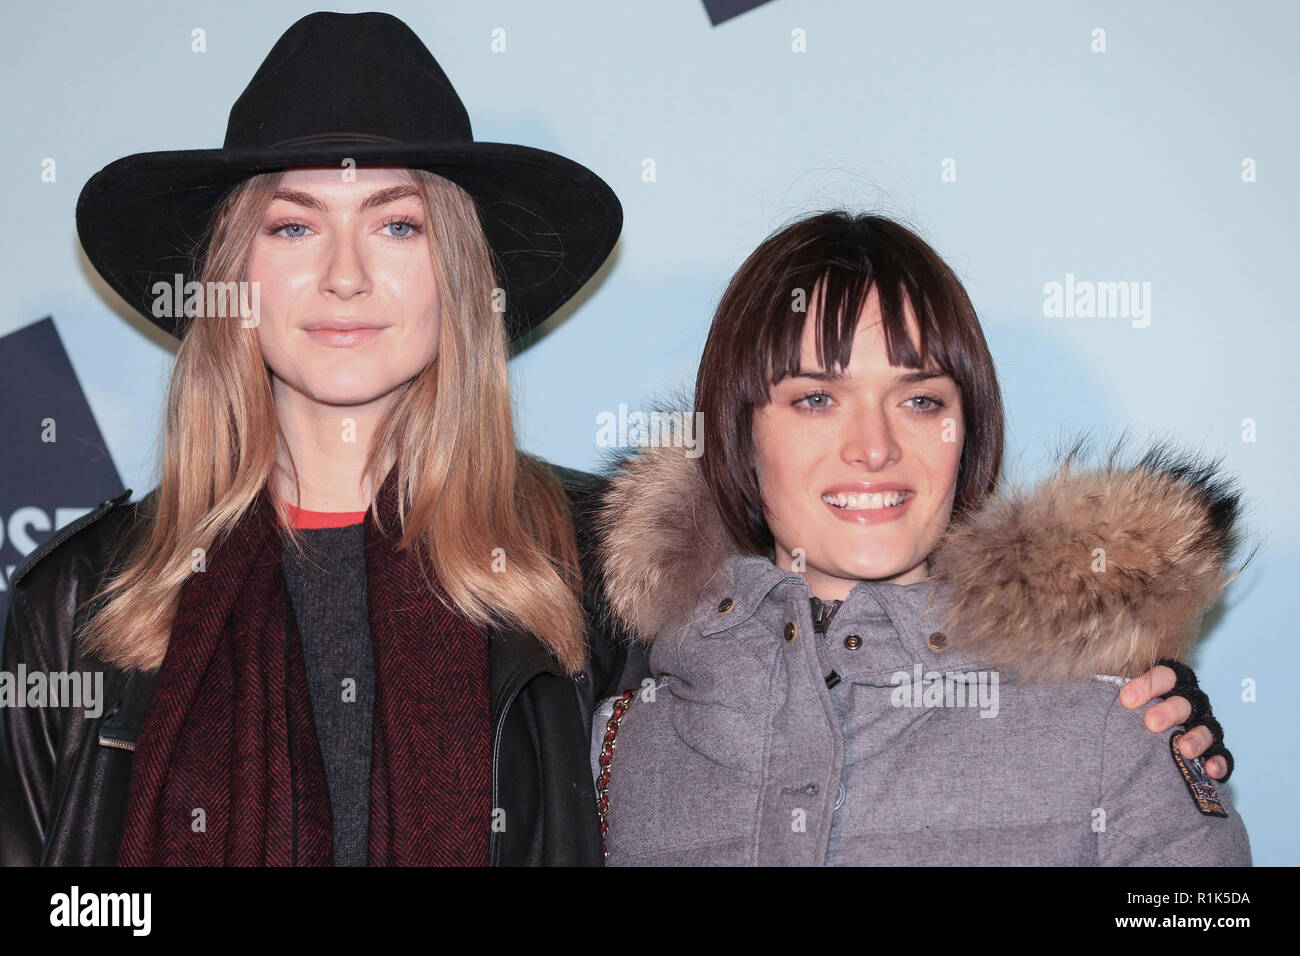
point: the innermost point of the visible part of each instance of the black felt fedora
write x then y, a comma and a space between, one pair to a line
359, 87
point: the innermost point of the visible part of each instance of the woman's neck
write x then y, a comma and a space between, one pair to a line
829, 587
329, 444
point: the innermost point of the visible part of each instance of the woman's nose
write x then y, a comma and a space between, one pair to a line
868, 440
345, 272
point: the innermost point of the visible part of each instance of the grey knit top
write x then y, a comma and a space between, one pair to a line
328, 594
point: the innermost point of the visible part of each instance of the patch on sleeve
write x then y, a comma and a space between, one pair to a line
1198, 781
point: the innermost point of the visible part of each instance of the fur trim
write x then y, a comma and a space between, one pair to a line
658, 529
1025, 569
1097, 570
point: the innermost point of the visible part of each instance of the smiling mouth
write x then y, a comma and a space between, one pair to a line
878, 501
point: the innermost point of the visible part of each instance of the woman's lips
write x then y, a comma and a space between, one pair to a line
871, 515
343, 338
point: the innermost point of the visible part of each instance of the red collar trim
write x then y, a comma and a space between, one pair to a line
302, 518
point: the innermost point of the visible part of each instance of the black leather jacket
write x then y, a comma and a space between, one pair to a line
65, 778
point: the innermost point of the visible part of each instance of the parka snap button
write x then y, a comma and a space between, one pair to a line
791, 629
853, 642
726, 605
937, 641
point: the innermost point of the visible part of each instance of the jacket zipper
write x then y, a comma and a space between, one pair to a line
115, 743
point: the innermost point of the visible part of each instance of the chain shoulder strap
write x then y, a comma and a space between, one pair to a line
606, 760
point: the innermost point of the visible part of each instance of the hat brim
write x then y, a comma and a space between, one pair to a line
549, 221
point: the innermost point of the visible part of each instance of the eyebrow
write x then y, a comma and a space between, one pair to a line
380, 198
908, 378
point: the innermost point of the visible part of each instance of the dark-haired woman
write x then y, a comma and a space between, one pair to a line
860, 653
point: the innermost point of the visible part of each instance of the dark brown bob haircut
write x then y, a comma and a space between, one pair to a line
756, 335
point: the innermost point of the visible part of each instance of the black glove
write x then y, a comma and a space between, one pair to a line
1185, 685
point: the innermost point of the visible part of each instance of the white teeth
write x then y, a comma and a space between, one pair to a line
866, 502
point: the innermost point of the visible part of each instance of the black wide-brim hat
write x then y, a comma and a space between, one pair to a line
359, 87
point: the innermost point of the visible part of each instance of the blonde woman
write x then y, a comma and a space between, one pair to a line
347, 626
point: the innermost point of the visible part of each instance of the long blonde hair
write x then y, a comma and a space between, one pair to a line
464, 489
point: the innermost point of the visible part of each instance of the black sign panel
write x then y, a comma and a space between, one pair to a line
56, 465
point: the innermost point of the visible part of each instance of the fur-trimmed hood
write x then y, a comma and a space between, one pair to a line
1100, 568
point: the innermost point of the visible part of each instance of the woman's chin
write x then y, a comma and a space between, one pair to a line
347, 391
881, 568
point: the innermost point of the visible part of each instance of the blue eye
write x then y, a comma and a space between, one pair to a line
290, 230
935, 403
815, 401
402, 228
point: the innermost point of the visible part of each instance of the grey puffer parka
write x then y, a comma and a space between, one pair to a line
959, 720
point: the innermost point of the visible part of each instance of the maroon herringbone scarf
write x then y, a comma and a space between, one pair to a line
228, 770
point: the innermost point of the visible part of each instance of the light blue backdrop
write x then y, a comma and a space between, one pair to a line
1126, 164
